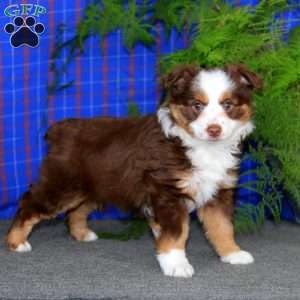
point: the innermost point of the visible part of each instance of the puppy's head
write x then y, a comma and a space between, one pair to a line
211, 104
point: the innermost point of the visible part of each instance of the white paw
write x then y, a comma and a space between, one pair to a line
238, 258
24, 247
175, 263
90, 236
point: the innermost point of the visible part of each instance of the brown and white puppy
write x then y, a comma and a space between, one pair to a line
162, 166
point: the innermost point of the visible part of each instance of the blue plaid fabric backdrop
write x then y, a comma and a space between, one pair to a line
104, 83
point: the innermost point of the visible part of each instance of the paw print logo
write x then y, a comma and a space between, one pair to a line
24, 32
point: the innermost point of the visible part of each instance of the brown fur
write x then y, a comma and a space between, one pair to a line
182, 115
128, 161
237, 71
166, 243
131, 163
201, 97
241, 104
246, 82
178, 82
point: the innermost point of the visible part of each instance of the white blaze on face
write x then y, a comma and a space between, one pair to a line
213, 83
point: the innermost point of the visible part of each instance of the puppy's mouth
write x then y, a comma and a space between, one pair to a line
211, 139
214, 138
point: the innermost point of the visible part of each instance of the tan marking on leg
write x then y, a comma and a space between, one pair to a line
77, 220
171, 254
19, 232
29, 215
219, 229
166, 243
155, 227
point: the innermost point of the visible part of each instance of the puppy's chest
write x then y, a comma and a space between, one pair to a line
211, 171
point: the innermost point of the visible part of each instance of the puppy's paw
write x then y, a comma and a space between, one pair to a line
90, 236
175, 263
23, 247
85, 235
238, 258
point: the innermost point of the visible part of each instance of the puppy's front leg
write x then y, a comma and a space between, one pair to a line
217, 220
171, 235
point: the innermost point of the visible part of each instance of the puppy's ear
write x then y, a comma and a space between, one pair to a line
179, 80
240, 74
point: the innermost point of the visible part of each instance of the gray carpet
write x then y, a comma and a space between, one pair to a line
61, 268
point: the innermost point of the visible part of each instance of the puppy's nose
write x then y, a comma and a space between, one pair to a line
214, 130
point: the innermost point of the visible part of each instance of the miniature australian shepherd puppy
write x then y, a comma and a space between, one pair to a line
163, 166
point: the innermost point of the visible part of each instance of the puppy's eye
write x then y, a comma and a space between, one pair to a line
227, 104
198, 106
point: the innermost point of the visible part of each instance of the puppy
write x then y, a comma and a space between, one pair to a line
164, 166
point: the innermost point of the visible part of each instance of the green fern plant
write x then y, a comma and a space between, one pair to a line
268, 186
135, 229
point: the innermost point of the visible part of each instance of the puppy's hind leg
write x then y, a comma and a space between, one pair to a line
77, 220
27, 216
36, 205
16, 238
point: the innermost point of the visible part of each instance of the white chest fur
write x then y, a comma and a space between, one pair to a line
210, 171
211, 161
